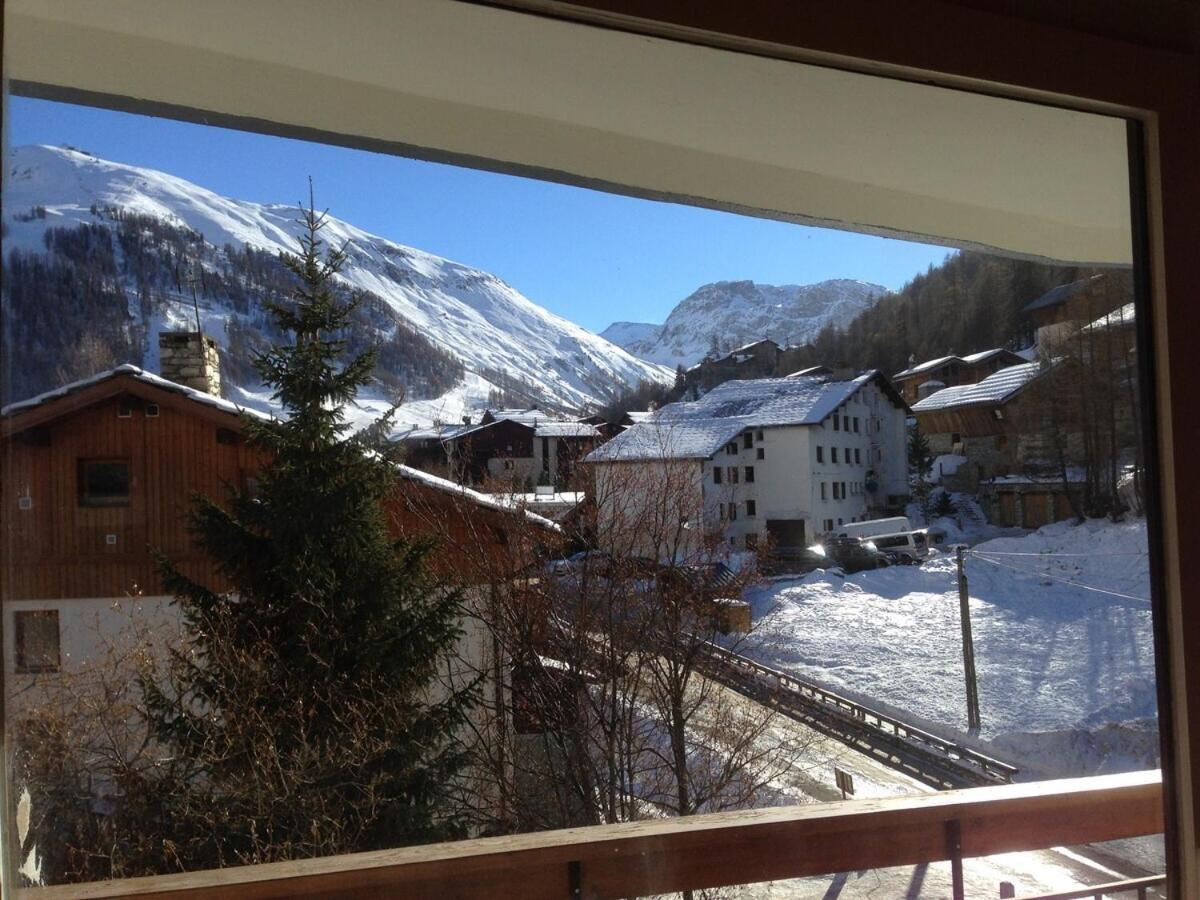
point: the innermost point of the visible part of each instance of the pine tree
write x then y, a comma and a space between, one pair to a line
301, 698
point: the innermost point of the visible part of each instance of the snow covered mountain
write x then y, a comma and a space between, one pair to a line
729, 314
500, 342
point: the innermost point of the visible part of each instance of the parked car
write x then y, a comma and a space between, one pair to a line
594, 562
905, 547
851, 554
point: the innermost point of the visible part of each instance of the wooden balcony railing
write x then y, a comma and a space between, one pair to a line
665, 855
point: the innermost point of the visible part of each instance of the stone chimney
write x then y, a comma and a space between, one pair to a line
191, 359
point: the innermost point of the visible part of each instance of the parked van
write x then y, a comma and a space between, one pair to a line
894, 525
907, 547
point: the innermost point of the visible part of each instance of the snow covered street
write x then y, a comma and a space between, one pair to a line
1062, 633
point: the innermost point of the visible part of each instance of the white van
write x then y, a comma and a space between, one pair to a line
894, 525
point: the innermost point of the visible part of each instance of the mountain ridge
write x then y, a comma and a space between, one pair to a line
503, 341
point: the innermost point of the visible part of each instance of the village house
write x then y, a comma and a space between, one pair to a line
920, 380
1062, 311
754, 464
98, 475
517, 448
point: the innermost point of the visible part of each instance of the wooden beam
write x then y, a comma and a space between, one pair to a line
664, 855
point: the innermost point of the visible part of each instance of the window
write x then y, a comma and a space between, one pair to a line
837, 422
847, 456
829, 524
749, 474
839, 521
820, 454
731, 449
751, 508
823, 490
733, 475
857, 456
37, 642
836, 495
762, 454
716, 474
758, 435
748, 440
833, 455
104, 482
751, 538
721, 510
856, 424
732, 512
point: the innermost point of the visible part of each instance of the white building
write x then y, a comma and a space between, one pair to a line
778, 459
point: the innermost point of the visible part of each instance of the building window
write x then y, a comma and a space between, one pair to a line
833, 455
749, 474
762, 453
751, 508
856, 424
839, 521
104, 482
847, 456
820, 454
835, 491
748, 440
732, 512
716, 474
857, 456
829, 524
721, 510
837, 422
758, 436
731, 449
751, 538
733, 475
37, 640
823, 490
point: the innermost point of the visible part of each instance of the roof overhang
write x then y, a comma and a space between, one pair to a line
602, 107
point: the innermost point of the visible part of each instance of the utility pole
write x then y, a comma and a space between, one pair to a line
968, 645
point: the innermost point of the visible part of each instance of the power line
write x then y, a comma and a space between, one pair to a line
1078, 584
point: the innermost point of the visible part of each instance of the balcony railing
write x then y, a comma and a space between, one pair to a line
665, 855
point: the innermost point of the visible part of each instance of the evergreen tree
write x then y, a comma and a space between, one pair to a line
920, 459
306, 698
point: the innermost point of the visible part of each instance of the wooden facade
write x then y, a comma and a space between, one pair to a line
176, 446
955, 371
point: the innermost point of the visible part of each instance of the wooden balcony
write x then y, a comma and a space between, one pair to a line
665, 855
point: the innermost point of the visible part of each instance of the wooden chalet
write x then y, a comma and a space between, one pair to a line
1059, 312
920, 380
98, 475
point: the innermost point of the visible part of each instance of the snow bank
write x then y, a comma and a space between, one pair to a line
1062, 630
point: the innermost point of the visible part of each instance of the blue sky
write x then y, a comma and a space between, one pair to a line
587, 255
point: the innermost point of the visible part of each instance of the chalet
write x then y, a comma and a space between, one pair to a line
515, 447
990, 423
773, 461
1060, 312
98, 474
920, 380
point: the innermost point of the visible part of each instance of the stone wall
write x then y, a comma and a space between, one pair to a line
191, 359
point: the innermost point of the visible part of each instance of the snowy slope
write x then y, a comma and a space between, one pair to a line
486, 323
1065, 670
738, 312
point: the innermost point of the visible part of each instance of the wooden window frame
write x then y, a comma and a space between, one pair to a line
86, 500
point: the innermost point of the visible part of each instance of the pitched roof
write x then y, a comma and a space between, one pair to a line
928, 364
996, 388
1061, 294
566, 429
138, 374
1119, 318
697, 429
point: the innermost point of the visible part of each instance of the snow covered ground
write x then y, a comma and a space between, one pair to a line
1063, 644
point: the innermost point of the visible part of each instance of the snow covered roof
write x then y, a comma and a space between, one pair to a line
1061, 294
692, 439
566, 429
971, 359
640, 416
996, 388
750, 346
697, 429
139, 374
501, 502
928, 364
811, 371
1125, 315
439, 432
522, 416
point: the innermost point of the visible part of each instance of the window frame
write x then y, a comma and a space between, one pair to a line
85, 500
21, 618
